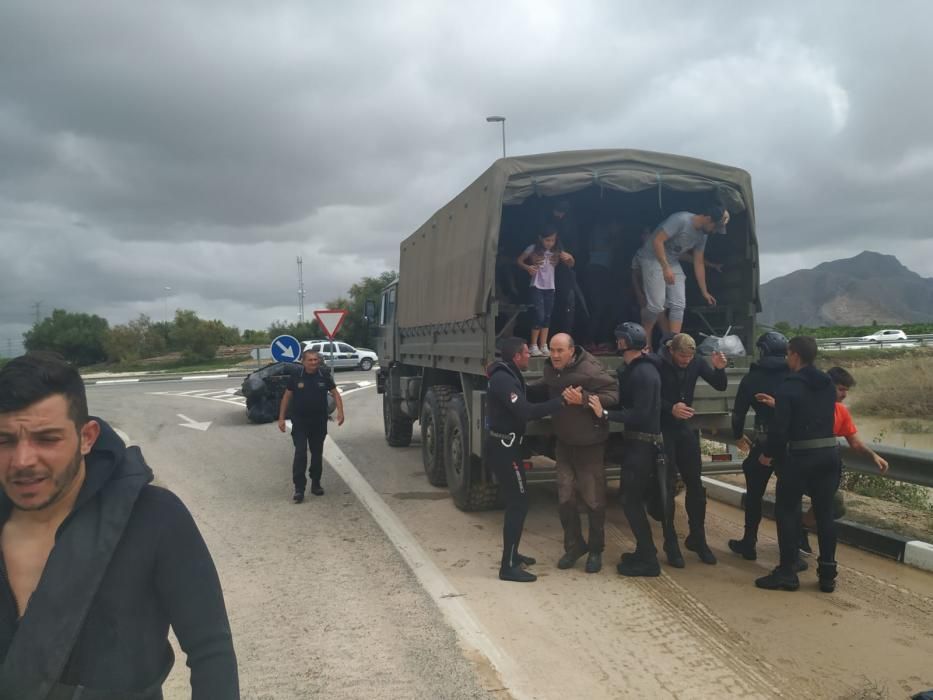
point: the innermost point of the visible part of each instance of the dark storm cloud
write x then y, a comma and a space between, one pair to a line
202, 145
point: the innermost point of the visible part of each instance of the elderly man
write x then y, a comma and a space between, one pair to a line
581, 445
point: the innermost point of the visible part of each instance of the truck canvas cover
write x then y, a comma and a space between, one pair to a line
446, 268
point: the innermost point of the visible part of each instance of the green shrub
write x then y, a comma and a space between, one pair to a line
876, 486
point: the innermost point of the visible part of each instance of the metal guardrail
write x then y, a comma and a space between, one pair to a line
912, 341
906, 465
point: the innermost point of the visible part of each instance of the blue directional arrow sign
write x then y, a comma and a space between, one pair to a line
286, 348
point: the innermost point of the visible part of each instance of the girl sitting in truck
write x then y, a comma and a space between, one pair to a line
539, 260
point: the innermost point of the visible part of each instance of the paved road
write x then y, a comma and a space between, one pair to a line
322, 603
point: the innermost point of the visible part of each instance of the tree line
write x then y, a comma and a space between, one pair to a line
851, 331
88, 339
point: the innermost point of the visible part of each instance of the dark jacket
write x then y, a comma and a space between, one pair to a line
578, 425
639, 395
678, 385
764, 377
805, 409
128, 561
507, 405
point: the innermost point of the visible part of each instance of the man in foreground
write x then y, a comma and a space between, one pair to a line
97, 563
507, 412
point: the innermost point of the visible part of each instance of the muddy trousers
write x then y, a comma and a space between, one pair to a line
638, 464
683, 455
816, 472
581, 480
510, 473
308, 435
757, 476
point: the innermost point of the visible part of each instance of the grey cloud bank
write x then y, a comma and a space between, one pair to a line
202, 145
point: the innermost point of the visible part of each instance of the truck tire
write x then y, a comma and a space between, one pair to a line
366, 364
433, 414
397, 427
467, 489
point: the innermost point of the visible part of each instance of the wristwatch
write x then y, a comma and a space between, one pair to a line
605, 414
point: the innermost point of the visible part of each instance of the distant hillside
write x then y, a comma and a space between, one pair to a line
855, 291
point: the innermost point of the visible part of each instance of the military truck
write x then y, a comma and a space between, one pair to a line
457, 293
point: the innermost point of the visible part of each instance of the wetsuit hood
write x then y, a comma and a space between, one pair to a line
771, 364
811, 376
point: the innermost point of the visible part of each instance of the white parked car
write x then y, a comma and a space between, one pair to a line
887, 334
340, 355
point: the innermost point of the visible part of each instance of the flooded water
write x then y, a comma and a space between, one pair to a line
914, 433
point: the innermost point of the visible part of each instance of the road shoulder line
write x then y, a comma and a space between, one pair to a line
431, 578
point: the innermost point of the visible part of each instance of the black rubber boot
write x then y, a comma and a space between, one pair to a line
316, 488
594, 563
299, 496
634, 565
672, 552
779, 580
827, 572
517, 574
696, 516
696, 542
801, 565
570, 558
527, 561
804, 545
745, 548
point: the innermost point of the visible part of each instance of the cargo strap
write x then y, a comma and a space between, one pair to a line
653, 438
507, 439
814, 444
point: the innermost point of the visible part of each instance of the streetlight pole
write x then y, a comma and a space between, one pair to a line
501, 120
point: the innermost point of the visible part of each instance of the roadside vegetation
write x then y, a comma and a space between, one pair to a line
851, 331
186, 342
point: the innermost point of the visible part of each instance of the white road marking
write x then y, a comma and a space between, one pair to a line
193, 424
432, 579
116, 381
204, 376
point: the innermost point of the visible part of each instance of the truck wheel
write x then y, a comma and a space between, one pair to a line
397, 428
433, 412
366, 364
469, 492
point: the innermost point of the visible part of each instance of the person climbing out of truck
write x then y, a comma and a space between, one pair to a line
640, 411
663, 279
680, 371
581, 446
507, 412
638, 284
540, 261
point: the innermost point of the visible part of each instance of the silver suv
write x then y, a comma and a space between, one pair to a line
340, 355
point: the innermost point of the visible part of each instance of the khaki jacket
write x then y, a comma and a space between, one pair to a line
577, 425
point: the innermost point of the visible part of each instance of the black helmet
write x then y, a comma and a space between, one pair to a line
633, 334
772, 344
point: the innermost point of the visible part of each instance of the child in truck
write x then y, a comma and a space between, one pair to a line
539, 260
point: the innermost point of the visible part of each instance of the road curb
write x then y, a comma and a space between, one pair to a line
872, 539
163, 378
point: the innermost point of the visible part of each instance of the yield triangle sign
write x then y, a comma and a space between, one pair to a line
330, 320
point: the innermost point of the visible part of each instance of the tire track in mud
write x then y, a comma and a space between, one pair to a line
706, 638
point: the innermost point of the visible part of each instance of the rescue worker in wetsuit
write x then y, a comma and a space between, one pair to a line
764, 378
801, 440
640, 411
507, 412
680, 370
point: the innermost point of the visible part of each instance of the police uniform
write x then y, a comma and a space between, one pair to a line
507, 412
801, 439
308, 410
640, 398
764, 377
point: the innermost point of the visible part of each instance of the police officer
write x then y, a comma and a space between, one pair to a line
309, 389
640, 394
763, 379
507, 412
801, 440
680, 370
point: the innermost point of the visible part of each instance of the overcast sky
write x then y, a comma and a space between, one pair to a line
203, 145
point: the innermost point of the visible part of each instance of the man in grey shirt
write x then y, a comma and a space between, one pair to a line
662, 275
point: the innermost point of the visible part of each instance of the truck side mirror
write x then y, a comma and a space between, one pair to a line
369, 310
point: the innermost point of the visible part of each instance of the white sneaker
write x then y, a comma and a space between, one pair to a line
545, 350
534, 351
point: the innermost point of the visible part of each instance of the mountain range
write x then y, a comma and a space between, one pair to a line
871, 287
